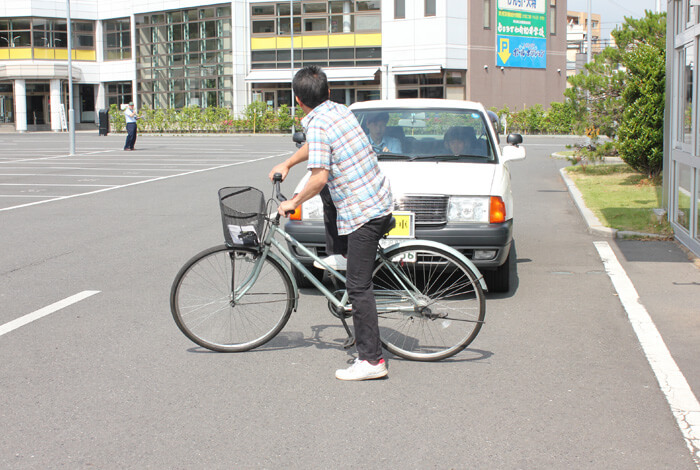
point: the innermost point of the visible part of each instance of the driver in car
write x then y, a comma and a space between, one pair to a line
376, 124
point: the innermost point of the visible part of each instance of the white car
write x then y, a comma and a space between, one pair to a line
446, 167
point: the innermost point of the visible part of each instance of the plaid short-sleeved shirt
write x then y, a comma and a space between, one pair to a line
338, 144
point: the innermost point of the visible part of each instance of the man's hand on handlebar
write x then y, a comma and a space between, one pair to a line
286, 208
282, 169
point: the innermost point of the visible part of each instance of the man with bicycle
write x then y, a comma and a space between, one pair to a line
340, 155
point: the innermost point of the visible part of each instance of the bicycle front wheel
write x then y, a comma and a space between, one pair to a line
430, 303
205, 305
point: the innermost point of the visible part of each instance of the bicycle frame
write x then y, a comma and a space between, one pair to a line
270, 241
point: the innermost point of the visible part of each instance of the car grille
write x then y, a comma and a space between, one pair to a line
428, 209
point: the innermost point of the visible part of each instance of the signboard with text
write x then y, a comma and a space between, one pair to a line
521, 34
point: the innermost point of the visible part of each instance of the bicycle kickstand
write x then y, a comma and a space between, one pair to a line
350, 340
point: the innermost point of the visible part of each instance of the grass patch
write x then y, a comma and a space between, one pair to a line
620, 197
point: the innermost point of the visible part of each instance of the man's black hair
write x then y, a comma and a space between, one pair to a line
310, 85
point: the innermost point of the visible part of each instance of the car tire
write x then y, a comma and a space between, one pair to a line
498, 280
302, 281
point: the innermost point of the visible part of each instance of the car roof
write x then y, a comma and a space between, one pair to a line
417, 103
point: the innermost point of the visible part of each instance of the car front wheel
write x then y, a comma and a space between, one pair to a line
498, 280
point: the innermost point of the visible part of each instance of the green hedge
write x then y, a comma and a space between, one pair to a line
256, 118
560, 118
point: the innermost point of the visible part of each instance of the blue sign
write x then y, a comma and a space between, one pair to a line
523, 52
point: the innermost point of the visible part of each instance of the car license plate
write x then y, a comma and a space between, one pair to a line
405, 225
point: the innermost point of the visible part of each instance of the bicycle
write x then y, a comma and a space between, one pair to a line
238, 296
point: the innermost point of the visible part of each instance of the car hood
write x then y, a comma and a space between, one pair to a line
450, 178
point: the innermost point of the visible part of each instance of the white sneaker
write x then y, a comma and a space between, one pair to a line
337, 262
362, 370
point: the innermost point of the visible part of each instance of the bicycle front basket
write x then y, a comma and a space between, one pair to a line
242, 214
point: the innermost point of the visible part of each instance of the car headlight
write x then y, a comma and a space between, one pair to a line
312, 209
468, 209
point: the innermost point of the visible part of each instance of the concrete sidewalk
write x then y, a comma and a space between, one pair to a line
666, 277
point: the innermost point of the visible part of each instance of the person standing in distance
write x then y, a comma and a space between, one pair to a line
131, 129
339, 154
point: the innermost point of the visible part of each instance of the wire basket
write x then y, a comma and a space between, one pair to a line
242, 215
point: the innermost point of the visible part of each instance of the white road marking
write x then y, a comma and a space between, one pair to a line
43, 196
53, 157
77, 176
680, 397
151, 180
56, 184
48, 310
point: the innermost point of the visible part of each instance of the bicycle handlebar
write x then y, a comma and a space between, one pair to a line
276, 180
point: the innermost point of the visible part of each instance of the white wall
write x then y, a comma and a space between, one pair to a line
419, 40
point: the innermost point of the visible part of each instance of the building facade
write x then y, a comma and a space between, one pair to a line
176, 53
577, 40
681, 143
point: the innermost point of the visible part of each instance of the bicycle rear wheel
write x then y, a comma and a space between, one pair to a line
203, 304
448, 309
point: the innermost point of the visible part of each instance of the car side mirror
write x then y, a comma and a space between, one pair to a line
299, 138
514, 139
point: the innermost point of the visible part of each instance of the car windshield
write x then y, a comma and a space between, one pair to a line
428, 134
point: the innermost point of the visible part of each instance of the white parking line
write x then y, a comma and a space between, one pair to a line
48, 310
680, 397
135, 183
61, 185
52, 157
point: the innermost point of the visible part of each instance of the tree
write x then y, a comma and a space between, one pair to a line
641, 135
596, 95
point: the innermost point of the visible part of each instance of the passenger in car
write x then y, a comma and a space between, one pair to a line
381, 143
459, 139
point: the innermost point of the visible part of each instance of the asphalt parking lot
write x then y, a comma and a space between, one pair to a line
37, 168
96, 374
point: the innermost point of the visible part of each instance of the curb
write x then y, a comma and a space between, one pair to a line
595, 226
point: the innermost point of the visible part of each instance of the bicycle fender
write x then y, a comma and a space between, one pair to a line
442, 246
288, 270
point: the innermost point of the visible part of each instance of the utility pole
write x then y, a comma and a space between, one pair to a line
71, 111
589, 33
291, 35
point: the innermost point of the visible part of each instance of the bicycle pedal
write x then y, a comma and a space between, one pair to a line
349, 342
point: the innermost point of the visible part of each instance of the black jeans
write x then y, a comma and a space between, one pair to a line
131, 131
362, 250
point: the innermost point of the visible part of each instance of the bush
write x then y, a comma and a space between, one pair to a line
117, 121
558, 119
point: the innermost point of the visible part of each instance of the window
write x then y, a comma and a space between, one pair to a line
399, 9
16, 33
487, 14
553, 17
434, 85
117, 39
684, 176
429, 7
335, 16
686, 121
44, 35
7, 107
325, 57
184, 56
83, 35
